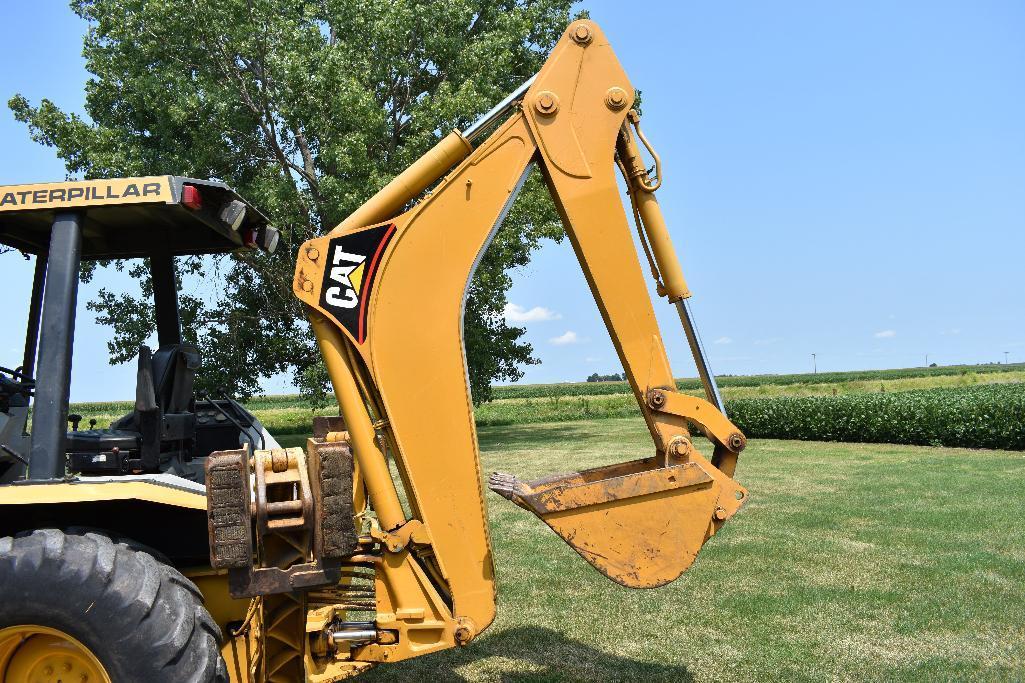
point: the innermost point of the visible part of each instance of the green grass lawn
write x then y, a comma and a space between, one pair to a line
851, 562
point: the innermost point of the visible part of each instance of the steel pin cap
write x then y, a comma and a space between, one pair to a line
615, 98
546, 103
581, 34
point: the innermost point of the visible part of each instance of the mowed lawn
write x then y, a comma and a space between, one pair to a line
850, 562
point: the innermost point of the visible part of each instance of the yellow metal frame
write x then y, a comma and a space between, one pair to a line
405, 380
85, 491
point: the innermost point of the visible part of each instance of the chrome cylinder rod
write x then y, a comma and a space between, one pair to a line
355, 633
700, 358
499, 110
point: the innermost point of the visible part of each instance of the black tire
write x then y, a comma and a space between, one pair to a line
142, 619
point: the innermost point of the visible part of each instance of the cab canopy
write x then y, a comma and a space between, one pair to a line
135, 217
156, 218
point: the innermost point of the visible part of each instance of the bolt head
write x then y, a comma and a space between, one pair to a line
581, 34
307, 285
680, 447
312, 253
547, 102
615, 98
720, 513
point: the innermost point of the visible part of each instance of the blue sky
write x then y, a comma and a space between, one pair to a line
845, 179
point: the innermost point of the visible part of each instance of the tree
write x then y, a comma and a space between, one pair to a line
306, 107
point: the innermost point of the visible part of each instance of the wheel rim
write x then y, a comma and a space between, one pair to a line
39, 654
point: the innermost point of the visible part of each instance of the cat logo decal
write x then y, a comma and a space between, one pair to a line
352, 262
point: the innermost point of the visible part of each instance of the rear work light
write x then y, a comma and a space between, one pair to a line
191, 197
233, 213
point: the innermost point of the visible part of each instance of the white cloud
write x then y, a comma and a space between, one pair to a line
885, 334
767, 341
723, 340
569, 337
515, 313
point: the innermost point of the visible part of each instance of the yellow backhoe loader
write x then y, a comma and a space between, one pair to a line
182, 544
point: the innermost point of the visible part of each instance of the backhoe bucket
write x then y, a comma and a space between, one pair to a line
640, 523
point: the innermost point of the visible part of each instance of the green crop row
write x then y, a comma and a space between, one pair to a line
984, 416
690, 384
981, 416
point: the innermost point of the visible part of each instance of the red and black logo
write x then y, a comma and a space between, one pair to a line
349, 276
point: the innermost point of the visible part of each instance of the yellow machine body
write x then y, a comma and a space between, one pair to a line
385, 297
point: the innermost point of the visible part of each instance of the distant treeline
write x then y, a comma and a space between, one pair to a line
602, 387
606, 378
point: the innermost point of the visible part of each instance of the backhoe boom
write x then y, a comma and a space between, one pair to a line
384, 292
385, 296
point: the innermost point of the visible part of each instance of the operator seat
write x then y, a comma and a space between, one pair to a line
174, 375
164, 408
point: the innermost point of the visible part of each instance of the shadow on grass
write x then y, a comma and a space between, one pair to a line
527, 654
523, 436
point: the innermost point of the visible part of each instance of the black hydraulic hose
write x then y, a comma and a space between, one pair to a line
238, 407
222, 411
13, 453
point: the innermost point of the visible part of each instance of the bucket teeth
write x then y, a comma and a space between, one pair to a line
508, 486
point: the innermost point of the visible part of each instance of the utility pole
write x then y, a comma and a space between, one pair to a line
814, 365
927, 360
1005, 357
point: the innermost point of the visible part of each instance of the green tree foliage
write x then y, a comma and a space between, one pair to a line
306, 107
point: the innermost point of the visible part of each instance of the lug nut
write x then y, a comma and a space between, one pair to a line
547, 102
615, 98
581, 34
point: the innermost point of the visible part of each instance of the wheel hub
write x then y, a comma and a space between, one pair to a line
39, 654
